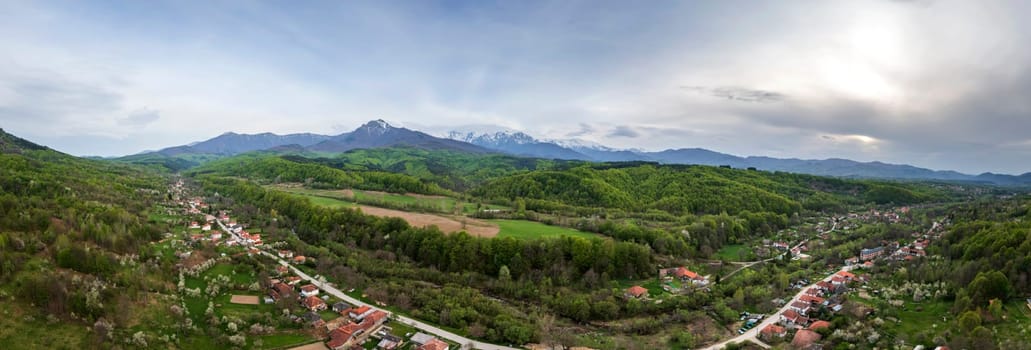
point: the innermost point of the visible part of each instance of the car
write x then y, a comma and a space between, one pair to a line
740, 331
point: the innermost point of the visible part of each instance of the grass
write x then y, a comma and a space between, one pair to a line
522, 229
733, 252
21, 328
284, 340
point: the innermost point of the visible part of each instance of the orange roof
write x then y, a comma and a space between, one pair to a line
819, 324
313, 301
684, 272
361, 310
637, 291
773, 329
811, 299
846, 274
804, 338
435, 344
790, 314
309, 288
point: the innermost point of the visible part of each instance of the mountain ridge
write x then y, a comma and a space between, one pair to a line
485, 139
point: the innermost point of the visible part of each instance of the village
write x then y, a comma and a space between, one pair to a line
341, 324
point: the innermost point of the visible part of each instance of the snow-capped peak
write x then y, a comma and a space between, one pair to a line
580, 144
491, 138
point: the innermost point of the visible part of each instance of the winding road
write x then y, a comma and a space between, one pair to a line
463, 341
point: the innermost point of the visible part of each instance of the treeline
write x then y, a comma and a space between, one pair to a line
680, 190
430, 247
276, 169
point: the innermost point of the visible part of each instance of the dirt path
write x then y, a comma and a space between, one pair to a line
475, 227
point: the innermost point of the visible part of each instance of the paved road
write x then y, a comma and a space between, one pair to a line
752, 335
463, 341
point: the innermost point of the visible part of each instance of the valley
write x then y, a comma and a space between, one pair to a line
542, 254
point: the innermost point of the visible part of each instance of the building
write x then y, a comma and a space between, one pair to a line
636, 292
309, 290
871, 253
435, 344
805, 339
340, 306
801, 307
360, 313
281, 290
313, 303
819, 324
344, 337
421, 338
773, 331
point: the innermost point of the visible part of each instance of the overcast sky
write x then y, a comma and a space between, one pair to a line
938, 84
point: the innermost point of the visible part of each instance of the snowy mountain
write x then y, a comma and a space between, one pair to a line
515, 142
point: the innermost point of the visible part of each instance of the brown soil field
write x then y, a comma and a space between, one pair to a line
475, 227
245, 299
312, 346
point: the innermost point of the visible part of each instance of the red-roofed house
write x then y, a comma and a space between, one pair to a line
814, 291
636, 292
801, 307
435, 344
773, 331
300, 259
819, 324
847, 275
373, 320
811, 299
281, 290
805, 339
344, 337
309, 290
313, 303
789, 316
824, 285
360, 312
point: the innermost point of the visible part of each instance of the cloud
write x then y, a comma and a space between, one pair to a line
140, 118
623, 131
585, 129
738, 93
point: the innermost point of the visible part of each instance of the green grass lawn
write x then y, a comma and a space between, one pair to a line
733, 252
284, 340
523, 229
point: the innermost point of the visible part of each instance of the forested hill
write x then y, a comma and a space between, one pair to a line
696, 189
66, 223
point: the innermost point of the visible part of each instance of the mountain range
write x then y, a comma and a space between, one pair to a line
378, 134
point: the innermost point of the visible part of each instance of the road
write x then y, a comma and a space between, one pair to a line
752, 335
463, 341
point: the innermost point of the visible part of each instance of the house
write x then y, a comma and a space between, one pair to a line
292, 280
814, 291
282, 270
217, 235
636, 292
819, 324
344, 337
847, 275
868, 264
800, 306
772, 331
922, 244
825, 286
311, 317
360, 312
285, 254
373, 320
281, 290
206, 227
309, 290
336, 323
389, 342
421, 338
435, 344
805, 339
806, 298
789, 316
340, 306
871, 253
313, 303
300, 259
838, 280
194, 224
852, 261
781, 245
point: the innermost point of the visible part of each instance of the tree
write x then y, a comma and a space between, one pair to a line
987, 286
504, 275
969, 320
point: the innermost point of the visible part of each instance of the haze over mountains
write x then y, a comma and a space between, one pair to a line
378, 133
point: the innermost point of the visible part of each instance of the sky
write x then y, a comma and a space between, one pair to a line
937, 84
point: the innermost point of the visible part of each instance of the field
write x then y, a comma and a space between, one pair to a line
474, 227
733, 252
245, 299
522, 229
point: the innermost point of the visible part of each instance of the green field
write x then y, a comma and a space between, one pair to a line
523, 229
335, 198
734, 252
